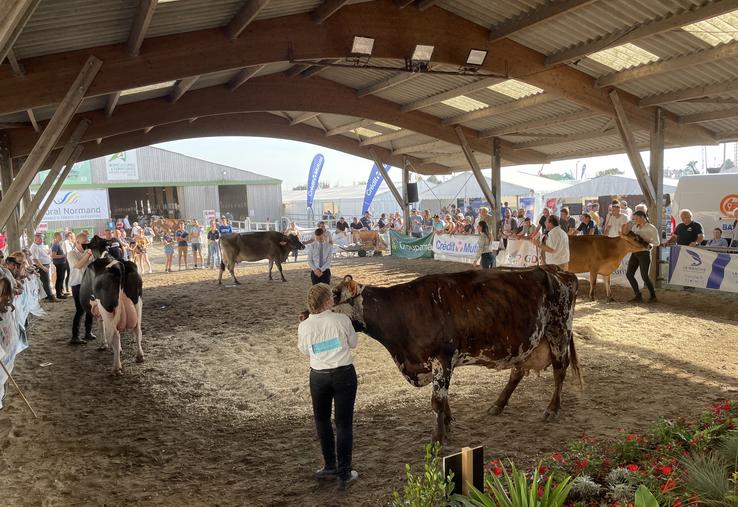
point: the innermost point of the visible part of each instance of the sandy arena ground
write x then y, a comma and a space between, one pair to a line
219, 414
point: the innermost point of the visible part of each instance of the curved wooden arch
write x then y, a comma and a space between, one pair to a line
297, 37
270, 93
247, 124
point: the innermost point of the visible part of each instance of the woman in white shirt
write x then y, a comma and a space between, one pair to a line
328, 338
78, 260
485, 254
646, 231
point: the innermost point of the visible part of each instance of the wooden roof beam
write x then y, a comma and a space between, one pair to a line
450, 94
547, 12
15, 65
303, 118
403, 3
314, 70
514, 105
14, 19
327, 9
110, 103
342, 129
181, 87
296, 69
689, 93
243, 18
140, 25
709, 116
385, 84
584, 136
542, 123
708, 9
430, 147
243, 76
425, 4
32, 119
385, 138
715, 54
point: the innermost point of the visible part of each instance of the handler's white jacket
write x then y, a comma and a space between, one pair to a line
327, 338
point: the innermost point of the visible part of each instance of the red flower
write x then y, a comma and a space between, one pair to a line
497, 470
677, 502
668, 485
582, 464
666, 470
557, 457
632, 467
542, 470
631, 437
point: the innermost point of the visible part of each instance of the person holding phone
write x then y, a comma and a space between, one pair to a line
79, 259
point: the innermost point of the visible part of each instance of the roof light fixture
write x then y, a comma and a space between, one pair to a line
420, 58
362, 46
476, 58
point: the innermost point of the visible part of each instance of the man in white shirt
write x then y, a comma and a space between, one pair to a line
320, 252
625, 210
327, 338
556, 247
42, 261
646, 231
615, 221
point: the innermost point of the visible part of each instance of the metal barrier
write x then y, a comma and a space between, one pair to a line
249, 226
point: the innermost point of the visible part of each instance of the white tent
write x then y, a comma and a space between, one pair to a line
607, 186
346, 201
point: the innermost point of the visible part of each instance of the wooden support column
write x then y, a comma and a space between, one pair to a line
496, 169
626, 135
469, 154
387, 180
50, 136
406, 202
656, 212
15, 15
57, 185
25, 208
6, 179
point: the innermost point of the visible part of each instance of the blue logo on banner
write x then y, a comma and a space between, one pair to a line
372, 185
718, 271
695, 257
316, 166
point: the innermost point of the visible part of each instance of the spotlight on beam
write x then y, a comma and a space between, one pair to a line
475, 60
362, 46
420, 59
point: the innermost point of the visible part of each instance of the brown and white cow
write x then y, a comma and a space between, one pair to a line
600, 255
516, 319
256, 246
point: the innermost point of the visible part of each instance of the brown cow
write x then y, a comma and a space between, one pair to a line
600, 255
368, 238
516, 319
164, 226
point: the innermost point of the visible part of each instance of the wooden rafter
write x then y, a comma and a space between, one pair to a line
425, 4
245, 15
314, 70
474, 164
514, 105
140, 25
584, 136
348, 127
387, 180
547, 12
707, 9
302, 118
243, 76
385, 138
110, 103
402, 77
403, 3
32, 119
709, 116
431, 147
15, 15
17, 67
450, 94
541, 123
690, 93
327, 9
296, 69
180, 88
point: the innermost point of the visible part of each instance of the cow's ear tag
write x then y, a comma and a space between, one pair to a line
282, 243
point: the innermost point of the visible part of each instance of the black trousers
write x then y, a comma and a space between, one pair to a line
79, 311
640, 260
327, 386
61, 271
44, 276
324, 278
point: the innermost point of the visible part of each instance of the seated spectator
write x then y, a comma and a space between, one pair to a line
587, 227
520, 216
438, 224
355, 227
717, 239
450, 226
526, 230
468, 226
471, 213
342, 227
567, 223
382, 223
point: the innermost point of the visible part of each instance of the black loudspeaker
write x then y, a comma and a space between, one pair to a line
412, 192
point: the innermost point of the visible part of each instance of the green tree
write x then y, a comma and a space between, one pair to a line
691, 167
614, 171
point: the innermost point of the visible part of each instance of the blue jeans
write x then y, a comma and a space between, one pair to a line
488, 260
213, 254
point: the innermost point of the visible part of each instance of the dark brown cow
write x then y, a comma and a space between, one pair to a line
256, 246
600, 255
517, 319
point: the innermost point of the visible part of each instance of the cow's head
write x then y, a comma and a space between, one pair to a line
348, 300
635, 242
97, 245
294, 243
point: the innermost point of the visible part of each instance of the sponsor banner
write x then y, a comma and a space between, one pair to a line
78, 205
704, 269
410, 247
80, 174
456, 248
208, 215
372, 185
529, 205
520, 253
122, 166
316, 166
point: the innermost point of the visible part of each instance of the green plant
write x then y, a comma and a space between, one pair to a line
707, 477
644, 497
429, 489
515, 490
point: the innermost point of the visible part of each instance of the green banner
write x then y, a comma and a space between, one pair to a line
410, 247
81, 174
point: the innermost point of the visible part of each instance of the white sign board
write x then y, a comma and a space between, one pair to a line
520, 253
697, 267
122, 166
78, 205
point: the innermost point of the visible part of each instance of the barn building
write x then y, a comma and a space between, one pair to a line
151, 180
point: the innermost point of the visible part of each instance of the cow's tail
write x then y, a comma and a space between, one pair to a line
574, 362
222, 265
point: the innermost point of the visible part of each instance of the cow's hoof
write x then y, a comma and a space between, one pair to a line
550, 416
284, 280
495, 410
116, 372
140, 358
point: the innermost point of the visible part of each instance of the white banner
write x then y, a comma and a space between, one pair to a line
122, 166
520, 253
697, 267
78, 205
456, 248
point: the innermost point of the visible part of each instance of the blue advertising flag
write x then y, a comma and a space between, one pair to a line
372, 185
316, 166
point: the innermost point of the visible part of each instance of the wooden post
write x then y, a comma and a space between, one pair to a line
406, 202
469, 154
57, 185
626, 135
12, 233
497, 170
387, 180
656, 212
14, 19
49, 137
468, 469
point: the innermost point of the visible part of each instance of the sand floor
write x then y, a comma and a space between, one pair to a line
220, 414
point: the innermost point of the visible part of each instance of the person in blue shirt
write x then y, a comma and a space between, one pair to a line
366, 221
225, 226
181, 236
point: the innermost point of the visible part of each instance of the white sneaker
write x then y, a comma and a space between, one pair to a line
344, 484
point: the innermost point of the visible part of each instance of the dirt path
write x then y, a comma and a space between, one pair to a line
219, 414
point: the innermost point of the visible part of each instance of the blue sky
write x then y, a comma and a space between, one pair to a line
290, 160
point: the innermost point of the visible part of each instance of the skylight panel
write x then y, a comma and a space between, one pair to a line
387, 125
365, 132
623, 57
717, 30
466, 104
515, 89
148, 88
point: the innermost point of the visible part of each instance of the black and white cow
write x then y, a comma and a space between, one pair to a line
112, 290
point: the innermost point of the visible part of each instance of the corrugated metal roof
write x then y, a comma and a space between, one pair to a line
422, 87
546, 110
